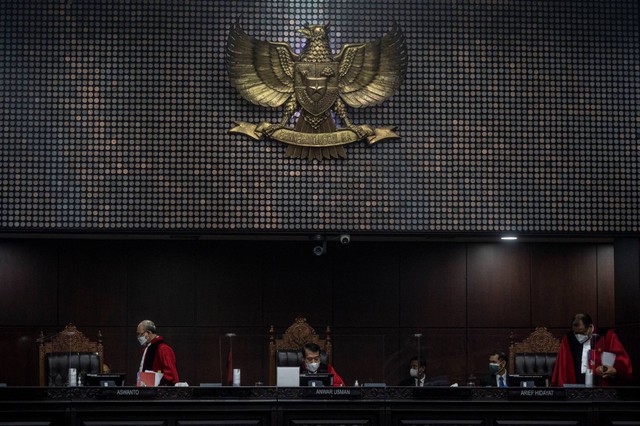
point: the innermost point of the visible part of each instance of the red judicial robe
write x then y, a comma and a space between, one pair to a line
160, 357
337, 380
568, 363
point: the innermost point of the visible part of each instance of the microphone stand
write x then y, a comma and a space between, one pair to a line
69, 361
230, 336
69, 334
418, 336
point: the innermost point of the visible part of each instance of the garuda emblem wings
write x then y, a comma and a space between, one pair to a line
317, 85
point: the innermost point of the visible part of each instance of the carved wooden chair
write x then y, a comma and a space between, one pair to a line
534, 355
68, 349
286, 351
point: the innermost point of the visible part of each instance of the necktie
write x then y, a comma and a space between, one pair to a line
501, 382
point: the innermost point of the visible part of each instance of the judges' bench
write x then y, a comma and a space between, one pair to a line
326, 406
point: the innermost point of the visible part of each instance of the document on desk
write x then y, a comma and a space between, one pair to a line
149, 378
608, 359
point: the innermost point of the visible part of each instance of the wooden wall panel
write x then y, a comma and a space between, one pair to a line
116, 340
630, 336
446, 349
28, 283
498, 285
375, 296
229, 282
297, 283
93, 282
433, 285
564, 281
211, 352
627, 278
161, 283
606, 287
363, 354
19, 355
211, 345
365, 283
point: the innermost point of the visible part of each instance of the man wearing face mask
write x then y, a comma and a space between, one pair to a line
573, 356
311, 364
417, 373
497, 370
157, 355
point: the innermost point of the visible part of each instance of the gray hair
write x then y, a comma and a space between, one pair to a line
149, 326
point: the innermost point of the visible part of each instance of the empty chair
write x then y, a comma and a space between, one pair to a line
534, 355
68, 349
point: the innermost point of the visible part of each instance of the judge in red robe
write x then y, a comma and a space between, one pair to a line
157, 355
572, 360
312, 365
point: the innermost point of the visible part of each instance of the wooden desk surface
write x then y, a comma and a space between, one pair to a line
313, 406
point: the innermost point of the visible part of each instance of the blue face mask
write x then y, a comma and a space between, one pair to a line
494, 367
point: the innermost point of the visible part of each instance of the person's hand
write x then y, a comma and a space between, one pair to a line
606, 372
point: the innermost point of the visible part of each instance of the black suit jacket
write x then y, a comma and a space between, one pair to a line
411, 381
490, 380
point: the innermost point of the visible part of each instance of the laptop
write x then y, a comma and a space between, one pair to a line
316, 379
288, 376
104, 379
528, 380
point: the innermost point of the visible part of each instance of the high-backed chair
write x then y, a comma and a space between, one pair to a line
286, 351
534, 355
68, 349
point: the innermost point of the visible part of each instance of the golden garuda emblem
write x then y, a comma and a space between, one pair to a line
317, 86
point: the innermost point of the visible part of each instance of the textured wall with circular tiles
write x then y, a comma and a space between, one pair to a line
515, 115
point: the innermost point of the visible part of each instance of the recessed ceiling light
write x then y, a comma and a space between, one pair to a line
509, 237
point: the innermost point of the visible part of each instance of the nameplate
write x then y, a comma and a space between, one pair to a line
128, 393
537, 393
337, 392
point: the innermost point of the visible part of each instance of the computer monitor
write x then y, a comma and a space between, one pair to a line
528, 380
316, 379
104, 379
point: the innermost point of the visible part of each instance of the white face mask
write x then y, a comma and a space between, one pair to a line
582, 338
413, 372
312, 367
142, 340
